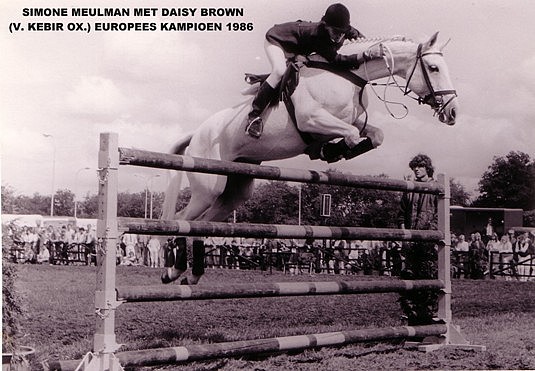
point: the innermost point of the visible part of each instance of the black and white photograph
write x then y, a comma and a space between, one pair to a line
267, 185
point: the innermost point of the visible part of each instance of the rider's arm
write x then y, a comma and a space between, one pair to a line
355, 60
348, 61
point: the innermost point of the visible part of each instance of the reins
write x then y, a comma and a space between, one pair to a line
433, 99
392, 78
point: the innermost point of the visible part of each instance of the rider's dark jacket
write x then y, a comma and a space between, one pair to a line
304, 38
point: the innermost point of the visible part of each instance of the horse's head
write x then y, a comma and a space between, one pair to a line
429, 78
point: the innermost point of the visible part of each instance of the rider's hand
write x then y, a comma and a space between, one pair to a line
375, 52
353, 34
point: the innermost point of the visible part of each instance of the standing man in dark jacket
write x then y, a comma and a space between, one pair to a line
419, 211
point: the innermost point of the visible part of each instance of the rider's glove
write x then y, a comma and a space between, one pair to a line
374, 52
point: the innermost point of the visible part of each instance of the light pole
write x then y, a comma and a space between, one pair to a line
150, 179
76, 188
299, 194
53, 172
147, 180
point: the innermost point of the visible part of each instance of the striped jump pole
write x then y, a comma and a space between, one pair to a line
204, 228
191, 353
158, 160
255, 290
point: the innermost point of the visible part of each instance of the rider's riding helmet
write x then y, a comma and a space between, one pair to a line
337, 16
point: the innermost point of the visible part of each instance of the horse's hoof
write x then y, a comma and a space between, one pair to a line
332, 152
166, 279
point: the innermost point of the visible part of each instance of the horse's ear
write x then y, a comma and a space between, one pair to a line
431, 41
444, 45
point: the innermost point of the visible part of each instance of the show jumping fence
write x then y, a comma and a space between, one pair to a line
108, 297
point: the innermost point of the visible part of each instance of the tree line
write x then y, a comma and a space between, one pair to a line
509, 182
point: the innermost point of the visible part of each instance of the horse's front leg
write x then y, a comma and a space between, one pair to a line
358, 138
373, 138
370, 132
320, 121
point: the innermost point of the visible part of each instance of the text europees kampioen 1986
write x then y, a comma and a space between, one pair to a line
113, 19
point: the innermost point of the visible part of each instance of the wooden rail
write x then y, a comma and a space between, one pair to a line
252, 290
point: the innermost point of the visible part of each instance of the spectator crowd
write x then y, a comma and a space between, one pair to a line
291, 256
64, 244
510, 256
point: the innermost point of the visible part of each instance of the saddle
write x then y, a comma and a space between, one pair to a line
290, 81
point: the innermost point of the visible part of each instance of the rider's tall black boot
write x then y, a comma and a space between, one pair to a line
263, 97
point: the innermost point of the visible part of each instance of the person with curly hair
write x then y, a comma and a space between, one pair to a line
419, 211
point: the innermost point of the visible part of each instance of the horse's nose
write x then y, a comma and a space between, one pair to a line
453, 115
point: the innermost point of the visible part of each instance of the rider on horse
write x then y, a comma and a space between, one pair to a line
287, 40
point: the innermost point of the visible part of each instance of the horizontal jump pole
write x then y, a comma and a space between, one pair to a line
251, 290
158, 356
136, 157
205, 229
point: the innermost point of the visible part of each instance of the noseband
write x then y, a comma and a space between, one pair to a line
435, 98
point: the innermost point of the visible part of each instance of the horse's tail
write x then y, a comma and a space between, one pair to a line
173, 189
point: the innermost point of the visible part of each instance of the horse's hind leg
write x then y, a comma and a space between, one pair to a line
206, 189
196, 207
237, 190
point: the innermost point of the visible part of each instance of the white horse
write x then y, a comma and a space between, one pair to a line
326, 105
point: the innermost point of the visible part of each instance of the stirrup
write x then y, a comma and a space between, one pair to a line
255, 127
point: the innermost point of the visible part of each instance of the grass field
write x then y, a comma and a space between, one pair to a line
60, 322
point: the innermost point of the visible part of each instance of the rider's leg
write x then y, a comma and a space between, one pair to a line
267, 91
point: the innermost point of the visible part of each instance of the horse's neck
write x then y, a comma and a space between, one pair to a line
400, 55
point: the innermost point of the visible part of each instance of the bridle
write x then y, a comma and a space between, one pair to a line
435, 98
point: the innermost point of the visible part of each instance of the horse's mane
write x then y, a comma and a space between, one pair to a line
361, 44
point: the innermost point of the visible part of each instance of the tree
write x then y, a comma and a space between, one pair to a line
277, 202
88, 208
131, 204
64, 203
36, 204
273, 202
351, 206
157, 202
508, 182
8, 200
459, 195
183, 198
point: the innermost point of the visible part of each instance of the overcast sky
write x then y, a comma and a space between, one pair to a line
151, 87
